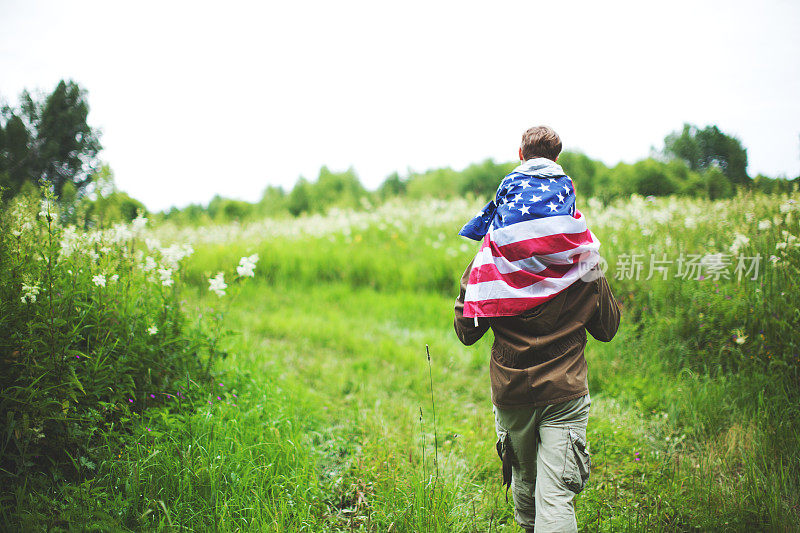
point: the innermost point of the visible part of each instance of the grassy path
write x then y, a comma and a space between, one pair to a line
350, 366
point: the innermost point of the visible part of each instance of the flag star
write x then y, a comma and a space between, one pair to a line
544, 188
566, 188
552, 180
535, 198
524, 184
510, 205
552, 206
560, 197
524, 210
518, 198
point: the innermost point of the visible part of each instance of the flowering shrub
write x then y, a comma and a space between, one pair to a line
93, 333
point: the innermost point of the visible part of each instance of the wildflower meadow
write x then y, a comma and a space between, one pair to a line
273, 375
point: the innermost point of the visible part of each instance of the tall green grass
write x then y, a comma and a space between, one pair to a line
317, 424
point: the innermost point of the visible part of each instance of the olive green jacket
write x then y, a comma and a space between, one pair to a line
537, 356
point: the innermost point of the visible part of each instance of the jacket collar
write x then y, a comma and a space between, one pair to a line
540, 167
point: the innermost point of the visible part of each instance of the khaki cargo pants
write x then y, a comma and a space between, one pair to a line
545, 448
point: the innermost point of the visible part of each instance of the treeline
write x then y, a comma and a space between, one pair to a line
46, 140
701, 163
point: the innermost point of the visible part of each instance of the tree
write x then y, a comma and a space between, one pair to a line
273, 201
342, 189
717, 184
482, 179
299, 200
707, 148
15, 161
583, 170
393, 185
49, 140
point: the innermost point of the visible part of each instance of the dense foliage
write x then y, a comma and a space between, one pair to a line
94, 335
49, 139
89, 335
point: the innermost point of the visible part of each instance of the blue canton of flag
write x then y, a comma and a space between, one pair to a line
536, 189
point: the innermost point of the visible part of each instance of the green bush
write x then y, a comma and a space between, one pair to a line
92, 333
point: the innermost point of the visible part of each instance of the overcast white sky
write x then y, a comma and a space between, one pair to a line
197, 98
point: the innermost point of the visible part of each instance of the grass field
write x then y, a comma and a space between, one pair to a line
320, 417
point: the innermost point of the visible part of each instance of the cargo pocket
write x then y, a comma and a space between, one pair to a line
577, 463
506, 453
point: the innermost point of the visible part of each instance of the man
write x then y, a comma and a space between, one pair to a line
540, 393
539, 287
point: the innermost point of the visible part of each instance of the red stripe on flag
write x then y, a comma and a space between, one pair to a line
551, 244
517, 279
504, 306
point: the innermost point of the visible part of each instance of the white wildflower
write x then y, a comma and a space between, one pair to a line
29, 293
99, 280
120, 233
152, 244
774, 259
69, 241
173, 254
739, 240
22, 221
739, 337
114, 277
94, 255
217, 284
764, 224
780, 246
247, 266
166, 276
139, 223
152, 330
47, 209
149, 264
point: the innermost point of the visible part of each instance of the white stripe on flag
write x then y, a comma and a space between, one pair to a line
498, 289
540, 227
536, 263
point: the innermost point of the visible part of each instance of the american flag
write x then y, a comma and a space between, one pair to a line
535, 242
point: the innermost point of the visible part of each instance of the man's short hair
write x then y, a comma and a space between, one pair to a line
540, 141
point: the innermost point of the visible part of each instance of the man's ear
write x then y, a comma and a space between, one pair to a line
521, 158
